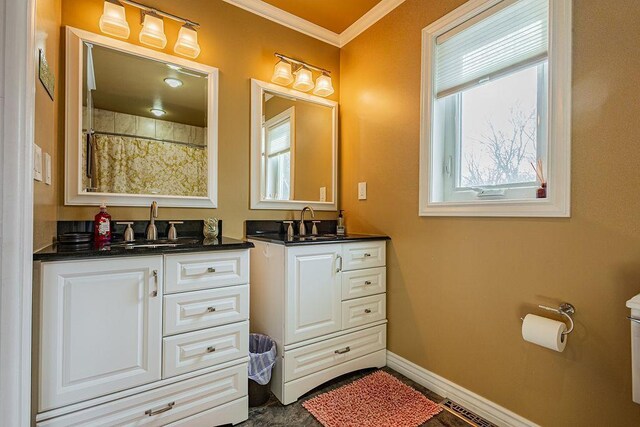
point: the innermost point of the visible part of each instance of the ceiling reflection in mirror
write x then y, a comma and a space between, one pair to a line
144, 125
297, 149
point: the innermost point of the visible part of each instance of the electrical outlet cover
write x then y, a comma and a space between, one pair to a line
37, 162
362, 191
47, 168
323, 194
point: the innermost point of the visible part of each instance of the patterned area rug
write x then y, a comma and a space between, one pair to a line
379, 399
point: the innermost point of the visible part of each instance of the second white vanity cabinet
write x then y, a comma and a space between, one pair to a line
143, 340
325, 306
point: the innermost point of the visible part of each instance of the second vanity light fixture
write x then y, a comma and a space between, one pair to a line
114, 22
287, 68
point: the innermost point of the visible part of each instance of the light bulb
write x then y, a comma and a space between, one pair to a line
304, 80
323, 86
158, 112
282, 73
152, 33
187, 43
173, 82
113, 20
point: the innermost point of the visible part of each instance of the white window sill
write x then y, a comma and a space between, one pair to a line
499, 208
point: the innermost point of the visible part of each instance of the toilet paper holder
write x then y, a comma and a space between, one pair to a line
567, 310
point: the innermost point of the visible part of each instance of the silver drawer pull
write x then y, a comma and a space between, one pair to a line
367, 310
211, 270
152, 412
155, 281
343, 351
367, 254
211, 309
633, 319
211, 349
367, 282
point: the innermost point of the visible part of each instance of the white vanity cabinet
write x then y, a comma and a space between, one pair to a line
324, 305
143, 340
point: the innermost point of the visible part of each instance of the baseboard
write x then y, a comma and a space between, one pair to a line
478, 404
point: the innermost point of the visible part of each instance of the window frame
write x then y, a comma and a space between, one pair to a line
558, 167
288, 115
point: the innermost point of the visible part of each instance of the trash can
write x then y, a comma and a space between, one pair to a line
262, 357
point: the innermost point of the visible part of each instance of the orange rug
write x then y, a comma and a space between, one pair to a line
379, 399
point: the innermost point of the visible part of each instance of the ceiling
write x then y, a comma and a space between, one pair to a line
334, 15
132, 84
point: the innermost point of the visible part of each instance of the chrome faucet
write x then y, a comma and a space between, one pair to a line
302, 230
152, 230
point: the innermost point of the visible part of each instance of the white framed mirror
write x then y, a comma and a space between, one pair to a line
294, 149
141, 125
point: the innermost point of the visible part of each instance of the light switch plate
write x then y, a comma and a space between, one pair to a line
37, 162
47, 168
323, 194
362, 191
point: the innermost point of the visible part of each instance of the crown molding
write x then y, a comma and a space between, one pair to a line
376, 13
287, 19
303, 26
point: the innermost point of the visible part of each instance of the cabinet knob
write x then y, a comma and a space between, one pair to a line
367, 282
367, 310
211, 270
211, 309
211, 349
367, 254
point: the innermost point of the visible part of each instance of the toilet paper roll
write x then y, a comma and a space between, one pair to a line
544, 332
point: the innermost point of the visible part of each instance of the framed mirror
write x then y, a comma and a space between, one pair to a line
141, 125
294, 149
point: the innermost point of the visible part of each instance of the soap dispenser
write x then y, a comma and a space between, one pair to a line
341, 230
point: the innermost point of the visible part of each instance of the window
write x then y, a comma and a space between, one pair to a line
277, 154
496, 104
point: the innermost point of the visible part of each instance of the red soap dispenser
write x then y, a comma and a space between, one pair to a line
102, 226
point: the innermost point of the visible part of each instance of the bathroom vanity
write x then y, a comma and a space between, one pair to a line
145, 336
323, 300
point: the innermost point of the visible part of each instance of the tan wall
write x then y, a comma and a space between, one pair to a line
241, 45
313, 147
46, 122
458, 286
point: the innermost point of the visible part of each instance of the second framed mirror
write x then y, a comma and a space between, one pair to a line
294, 146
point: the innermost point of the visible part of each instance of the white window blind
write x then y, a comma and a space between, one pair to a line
510, 35
279, 137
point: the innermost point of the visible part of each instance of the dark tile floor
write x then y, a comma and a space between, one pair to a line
274, 414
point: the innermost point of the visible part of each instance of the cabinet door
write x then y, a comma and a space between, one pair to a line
313, 296
101, 328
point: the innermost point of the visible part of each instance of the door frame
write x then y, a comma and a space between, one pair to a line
17, 110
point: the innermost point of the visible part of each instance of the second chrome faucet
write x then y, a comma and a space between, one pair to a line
152, 230
302, 230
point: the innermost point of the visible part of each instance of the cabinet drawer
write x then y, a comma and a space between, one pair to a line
190, 311
365, 310
363, 255
206, 270
195, 350
163, 405
362, 283
316, 357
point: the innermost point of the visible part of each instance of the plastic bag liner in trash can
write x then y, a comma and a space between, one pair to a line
262, 357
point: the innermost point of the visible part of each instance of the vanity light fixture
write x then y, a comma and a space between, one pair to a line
323, 86
304, 79
152, 33
113, 20
173, 82
187, 43
158, 112
282, 75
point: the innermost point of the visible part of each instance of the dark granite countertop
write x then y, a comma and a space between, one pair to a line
282, 239
61, 252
